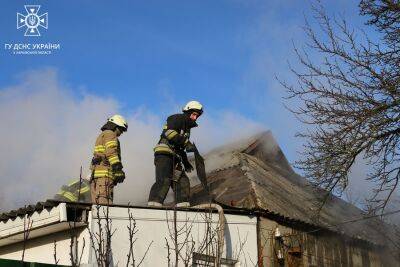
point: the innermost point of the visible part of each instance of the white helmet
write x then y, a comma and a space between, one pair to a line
193, 106
119, 120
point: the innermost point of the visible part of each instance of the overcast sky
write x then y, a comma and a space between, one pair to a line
143, 59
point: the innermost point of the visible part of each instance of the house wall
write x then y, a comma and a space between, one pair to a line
154, 229
319, 248
42, 249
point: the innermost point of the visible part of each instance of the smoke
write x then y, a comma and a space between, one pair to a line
223, 127
47, 135
49, 131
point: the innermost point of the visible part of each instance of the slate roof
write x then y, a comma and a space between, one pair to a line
254, 174
39, 207
12, 214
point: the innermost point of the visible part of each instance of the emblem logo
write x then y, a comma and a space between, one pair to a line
32, 20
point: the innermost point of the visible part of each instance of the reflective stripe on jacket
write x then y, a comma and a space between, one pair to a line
106, 152
73, 190
175, 135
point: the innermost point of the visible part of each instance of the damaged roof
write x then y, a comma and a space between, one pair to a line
254, 174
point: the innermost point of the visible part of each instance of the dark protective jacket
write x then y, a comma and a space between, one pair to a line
175, 136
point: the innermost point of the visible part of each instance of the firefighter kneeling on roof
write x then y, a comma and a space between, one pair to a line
106, 164
170, 155
77, 190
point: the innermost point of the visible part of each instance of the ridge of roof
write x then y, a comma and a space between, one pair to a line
262, 170
245, 168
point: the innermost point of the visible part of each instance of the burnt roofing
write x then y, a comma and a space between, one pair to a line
254, 174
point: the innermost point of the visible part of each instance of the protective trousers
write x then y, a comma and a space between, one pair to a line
102, 190
165, 170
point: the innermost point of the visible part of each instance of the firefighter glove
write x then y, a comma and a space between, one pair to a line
119, 177
96, 160
191, 147
188, 166
116, 167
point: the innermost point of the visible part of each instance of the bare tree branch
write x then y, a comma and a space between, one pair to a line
55, 253
27, 230
352, 98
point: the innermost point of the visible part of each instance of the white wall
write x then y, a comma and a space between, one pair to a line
41, 249
153, 226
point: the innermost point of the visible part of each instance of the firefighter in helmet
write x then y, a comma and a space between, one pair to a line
106, 166
77, 190
170, 158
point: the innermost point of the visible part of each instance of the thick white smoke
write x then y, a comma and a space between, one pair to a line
48, 133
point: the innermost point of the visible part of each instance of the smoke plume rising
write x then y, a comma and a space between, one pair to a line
49, 133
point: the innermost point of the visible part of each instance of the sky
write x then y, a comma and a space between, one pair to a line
144, 60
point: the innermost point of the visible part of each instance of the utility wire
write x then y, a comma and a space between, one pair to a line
346, 222
368, 217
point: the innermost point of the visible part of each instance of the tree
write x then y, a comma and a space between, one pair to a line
352, 99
